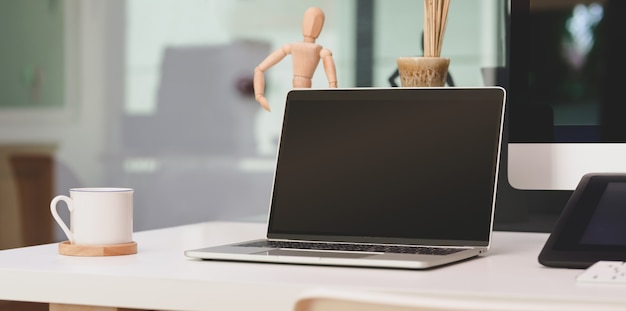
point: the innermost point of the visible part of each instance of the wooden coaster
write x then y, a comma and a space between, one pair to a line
65, 248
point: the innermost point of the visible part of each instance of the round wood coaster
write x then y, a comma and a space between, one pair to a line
65, 248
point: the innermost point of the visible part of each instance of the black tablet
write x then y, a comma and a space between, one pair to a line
592, 226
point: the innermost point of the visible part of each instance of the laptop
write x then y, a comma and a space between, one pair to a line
381, 177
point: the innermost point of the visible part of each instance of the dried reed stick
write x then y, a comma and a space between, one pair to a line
435, 20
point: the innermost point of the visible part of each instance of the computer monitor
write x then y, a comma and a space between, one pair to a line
567, 114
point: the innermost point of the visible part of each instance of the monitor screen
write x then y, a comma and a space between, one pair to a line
566, 109
564, 65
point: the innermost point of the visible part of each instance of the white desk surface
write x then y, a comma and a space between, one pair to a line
160, 277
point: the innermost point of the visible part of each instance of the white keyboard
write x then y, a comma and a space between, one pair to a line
604, 272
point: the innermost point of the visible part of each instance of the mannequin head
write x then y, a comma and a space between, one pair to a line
312, 24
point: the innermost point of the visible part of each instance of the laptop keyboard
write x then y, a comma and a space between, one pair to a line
378, 248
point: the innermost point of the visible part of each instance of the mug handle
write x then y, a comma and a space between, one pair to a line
57, 218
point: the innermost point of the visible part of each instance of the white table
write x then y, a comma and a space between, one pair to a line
160, 277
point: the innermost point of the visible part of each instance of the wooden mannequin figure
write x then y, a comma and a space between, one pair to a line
305, 56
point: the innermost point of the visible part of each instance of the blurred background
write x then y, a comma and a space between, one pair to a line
157, 95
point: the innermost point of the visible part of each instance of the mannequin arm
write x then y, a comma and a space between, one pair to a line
259, 77
329, 67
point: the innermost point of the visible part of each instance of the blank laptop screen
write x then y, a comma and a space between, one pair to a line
388, 165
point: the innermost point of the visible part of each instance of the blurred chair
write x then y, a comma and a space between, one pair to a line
342, 300
26, 186
10, 228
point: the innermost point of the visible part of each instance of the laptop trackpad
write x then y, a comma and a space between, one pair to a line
286, 252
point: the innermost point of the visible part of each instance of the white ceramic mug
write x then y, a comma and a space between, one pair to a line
98, 216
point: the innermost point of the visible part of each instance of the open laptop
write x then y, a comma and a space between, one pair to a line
381, 177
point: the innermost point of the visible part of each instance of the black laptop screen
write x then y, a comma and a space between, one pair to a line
388, 165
